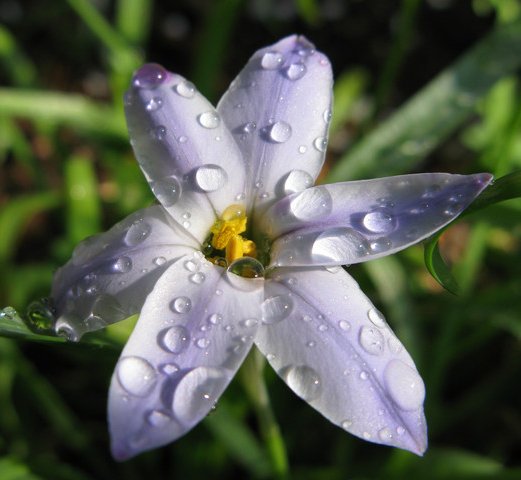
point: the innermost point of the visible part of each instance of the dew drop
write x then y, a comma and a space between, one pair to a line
327, 115
380, 245
181, 305
182, 139
185, 89
371, 340
215, 318
154, 104
122, 265
249, 322
159, 261
272, 60
249, 127
304, 381
209, 119
379, 222
198, 278
310, 344
295, 71
247, 267
297, 181
137, 233
346, 424
40, 315
167, 190
66, 330
210, 178
279, 132
157, 418
197, 392
276, 308
302, 149
169, 369
385, 435
320, 143
400, 430
339, 244
404, 384
158, 132
174, 339
364, 375
377, 318
344, 325
202, 343
150, 76
136, 376
311, 204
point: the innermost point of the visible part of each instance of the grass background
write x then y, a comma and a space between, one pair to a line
420, 86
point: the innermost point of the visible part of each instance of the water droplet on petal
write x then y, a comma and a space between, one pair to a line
344, 325
311, 204
154, 104
249, 127
371, 340
182, 139
377, 318
209, 119
202, 342
404, 385
297, 181
167, 190
197, 392
159, 261
385, 435
279, 132
174, 339
210, 178
271, 60
158, 133
295, 71
157, 418
136, 376
276, 308
304, 381
185, 89
400, 430
302, 149
122, 265
198, 278
191, 266
181, 305
169, 369
320, 143
327, 115
346, 424
215, 318
379, 222
150, 76
340, 244
137, 233
363, 375
380, 245
247, 267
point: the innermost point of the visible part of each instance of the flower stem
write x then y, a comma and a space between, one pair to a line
252, 378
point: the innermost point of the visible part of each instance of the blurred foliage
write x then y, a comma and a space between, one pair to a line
67, 171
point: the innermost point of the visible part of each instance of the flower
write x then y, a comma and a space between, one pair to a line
244, 250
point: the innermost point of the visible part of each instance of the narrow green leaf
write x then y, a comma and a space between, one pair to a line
133, 20
16, 63
406, 137
83, 208
13, 469
437, 266
504, 188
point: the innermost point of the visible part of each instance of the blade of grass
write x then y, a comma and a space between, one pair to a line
133, 20
406, 137
18, 66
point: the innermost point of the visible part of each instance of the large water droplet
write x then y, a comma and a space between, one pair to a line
276, 308
297, 181
198, 278
174, 339
340, 244
209, 119
379, 222
311, 204
320, 143
137, 233
167, 190
404, 385
65, 328
304, 381
247, 267
377, 318
185, 89
136, 376
271, 60
159, 261
150, 76
279, 132
40, 315
371, 340
122, 265
380, 245
210, 178
181, 305
197, 392
295, 71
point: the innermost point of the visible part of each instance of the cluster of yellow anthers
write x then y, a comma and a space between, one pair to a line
227, 234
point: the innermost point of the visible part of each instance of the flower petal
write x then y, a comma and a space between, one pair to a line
278, 109
186, 152
334, 349
193, 333
353, 222
110, 274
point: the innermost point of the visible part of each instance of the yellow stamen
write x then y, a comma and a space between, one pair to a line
226, 234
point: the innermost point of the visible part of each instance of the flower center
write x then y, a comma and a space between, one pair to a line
226, 239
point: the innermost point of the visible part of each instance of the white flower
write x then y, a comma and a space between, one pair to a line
243, 250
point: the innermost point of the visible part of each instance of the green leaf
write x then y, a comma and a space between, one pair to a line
13, 469
504, 188
437, 266
406, 137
